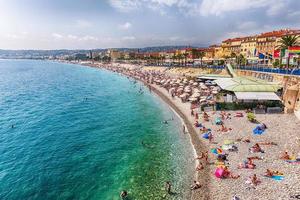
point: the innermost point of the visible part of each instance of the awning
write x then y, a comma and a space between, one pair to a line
225, 82
257, 96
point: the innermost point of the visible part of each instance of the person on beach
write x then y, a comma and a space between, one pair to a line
168, 187
205, 116
254, 180
269, 173
183, 128
285, 156
210, 137
196, 185
192, 112
256, 149
196, 116
202, 155
206, 157
228, 174
199, 167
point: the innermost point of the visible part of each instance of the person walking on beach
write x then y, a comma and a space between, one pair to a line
183, 128
168, 187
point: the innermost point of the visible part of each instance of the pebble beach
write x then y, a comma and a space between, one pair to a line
282, 134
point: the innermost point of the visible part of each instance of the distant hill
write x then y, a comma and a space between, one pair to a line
40, 54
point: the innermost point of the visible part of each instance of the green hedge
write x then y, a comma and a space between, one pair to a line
243, 106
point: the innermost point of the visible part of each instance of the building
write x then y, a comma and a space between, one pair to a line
114, 54
248, 47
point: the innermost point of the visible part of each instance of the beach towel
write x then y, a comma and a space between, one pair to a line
218, 121
206, 135
258, 131
219, 172
216, 151
277, 178
297, 161
227, 142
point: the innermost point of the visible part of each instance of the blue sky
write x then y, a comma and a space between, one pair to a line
87, 24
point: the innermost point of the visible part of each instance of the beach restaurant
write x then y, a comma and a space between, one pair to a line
246, 92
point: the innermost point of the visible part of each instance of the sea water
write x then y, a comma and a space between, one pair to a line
74, 132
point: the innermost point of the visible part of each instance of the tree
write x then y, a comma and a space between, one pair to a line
288, 41
185, 55
201, 54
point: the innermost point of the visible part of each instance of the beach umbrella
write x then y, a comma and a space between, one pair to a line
183, 95
193, 99
219, 172
196, 90
196, 95
195, 84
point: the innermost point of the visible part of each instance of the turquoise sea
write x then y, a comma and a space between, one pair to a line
74, 132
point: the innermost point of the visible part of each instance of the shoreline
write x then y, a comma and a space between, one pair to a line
196, 144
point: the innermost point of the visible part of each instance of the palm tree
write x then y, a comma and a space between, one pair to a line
201, 54
286, 42
184, 55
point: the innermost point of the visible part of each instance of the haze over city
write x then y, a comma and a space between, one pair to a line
88, 24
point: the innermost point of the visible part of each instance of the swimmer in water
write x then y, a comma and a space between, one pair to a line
165, 122
123, 194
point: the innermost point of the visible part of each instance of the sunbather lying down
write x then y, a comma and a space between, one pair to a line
253, 180
271, 173
267, 143
199, 167
224, 129
285, 156
248, 164
256, 149
196, 185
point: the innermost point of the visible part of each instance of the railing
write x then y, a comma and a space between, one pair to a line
295, 71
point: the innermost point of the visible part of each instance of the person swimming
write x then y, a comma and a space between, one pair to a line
168, 187
123, 194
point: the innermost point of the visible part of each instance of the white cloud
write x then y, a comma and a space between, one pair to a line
219, 7
57, 36
89, 38
72, 37
156, 5
125, 26
125, 5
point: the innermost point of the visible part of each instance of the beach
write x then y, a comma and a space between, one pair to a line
282, 134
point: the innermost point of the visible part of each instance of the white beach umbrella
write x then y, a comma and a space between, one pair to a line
193, 99
196, 95
196, 90
184, 95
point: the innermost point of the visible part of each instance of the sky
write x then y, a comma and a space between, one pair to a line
90, 24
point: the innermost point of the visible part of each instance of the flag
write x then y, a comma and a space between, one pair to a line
276, 53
